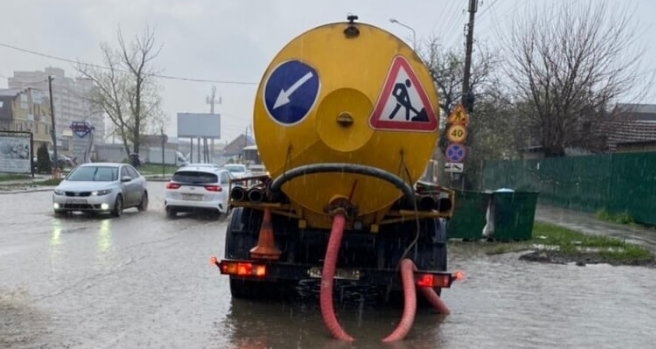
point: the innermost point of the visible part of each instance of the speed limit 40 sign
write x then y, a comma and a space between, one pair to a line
456, 133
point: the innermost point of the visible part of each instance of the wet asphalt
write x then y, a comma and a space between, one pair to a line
144, 281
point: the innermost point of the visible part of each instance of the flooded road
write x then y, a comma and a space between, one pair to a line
143, 281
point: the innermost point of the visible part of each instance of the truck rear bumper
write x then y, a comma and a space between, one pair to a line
276, 271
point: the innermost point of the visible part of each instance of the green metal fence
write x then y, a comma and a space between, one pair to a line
615, 182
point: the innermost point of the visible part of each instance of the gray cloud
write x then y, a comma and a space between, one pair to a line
228, 40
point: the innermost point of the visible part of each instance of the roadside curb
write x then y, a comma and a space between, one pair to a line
157, 179
24, 190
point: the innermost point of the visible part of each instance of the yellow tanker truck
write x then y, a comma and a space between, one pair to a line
346, 120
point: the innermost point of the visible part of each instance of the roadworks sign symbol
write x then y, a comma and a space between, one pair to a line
458, 116
403, 104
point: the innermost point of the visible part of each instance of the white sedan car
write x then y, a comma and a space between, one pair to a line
101, 188
197, 188
237, 170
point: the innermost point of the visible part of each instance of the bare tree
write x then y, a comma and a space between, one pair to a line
126, 89
568, 64
446, 67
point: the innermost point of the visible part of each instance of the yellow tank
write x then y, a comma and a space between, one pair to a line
346, 93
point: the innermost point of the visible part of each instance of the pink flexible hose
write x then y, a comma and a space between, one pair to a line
408, 282
435, 300
327, 274
409, 302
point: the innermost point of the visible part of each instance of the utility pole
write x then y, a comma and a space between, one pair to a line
53, 129
211, 100
467, 96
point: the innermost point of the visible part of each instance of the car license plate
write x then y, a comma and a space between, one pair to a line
192, 197
76, 201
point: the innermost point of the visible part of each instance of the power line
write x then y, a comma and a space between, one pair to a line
168, 77
439, 24
493, 20
447, 27
487, 8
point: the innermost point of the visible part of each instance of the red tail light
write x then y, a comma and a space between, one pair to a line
171, 185
213, 188
243, 269
430, 280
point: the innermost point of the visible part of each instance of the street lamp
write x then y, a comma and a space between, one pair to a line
414, 34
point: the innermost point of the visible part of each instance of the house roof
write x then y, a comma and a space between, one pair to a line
637, 108
630, 131
10, 92
236, 145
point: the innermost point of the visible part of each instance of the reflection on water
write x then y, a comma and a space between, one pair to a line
104, 236
503, 303
298, 324
55, 234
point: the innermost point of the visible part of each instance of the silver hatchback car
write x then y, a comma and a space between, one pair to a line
101, 187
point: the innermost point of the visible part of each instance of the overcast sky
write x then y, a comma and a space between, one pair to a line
236, 39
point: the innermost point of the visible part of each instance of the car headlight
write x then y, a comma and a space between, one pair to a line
101, 192
58, 192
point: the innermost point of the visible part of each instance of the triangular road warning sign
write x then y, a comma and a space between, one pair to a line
403, 104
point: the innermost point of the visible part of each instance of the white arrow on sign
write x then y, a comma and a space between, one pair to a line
454, 167
283, 96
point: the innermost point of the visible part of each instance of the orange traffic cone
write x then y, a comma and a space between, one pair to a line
266, 246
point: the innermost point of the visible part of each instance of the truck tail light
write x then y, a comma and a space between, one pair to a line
242, 268
430, 280
171, 185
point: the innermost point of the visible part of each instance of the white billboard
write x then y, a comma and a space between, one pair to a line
193, 125
15, 154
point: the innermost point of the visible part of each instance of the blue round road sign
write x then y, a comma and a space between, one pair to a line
455, 152
290, 92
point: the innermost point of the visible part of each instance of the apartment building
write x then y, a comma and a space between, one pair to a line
69, 99
26, 110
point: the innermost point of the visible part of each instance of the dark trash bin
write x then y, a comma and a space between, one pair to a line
134, 160
513, 214
468, 217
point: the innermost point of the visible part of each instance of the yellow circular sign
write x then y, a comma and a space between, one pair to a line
456, 133
332, 97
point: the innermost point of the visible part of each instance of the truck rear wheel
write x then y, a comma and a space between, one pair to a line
241, 234
244, 289
257, 290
